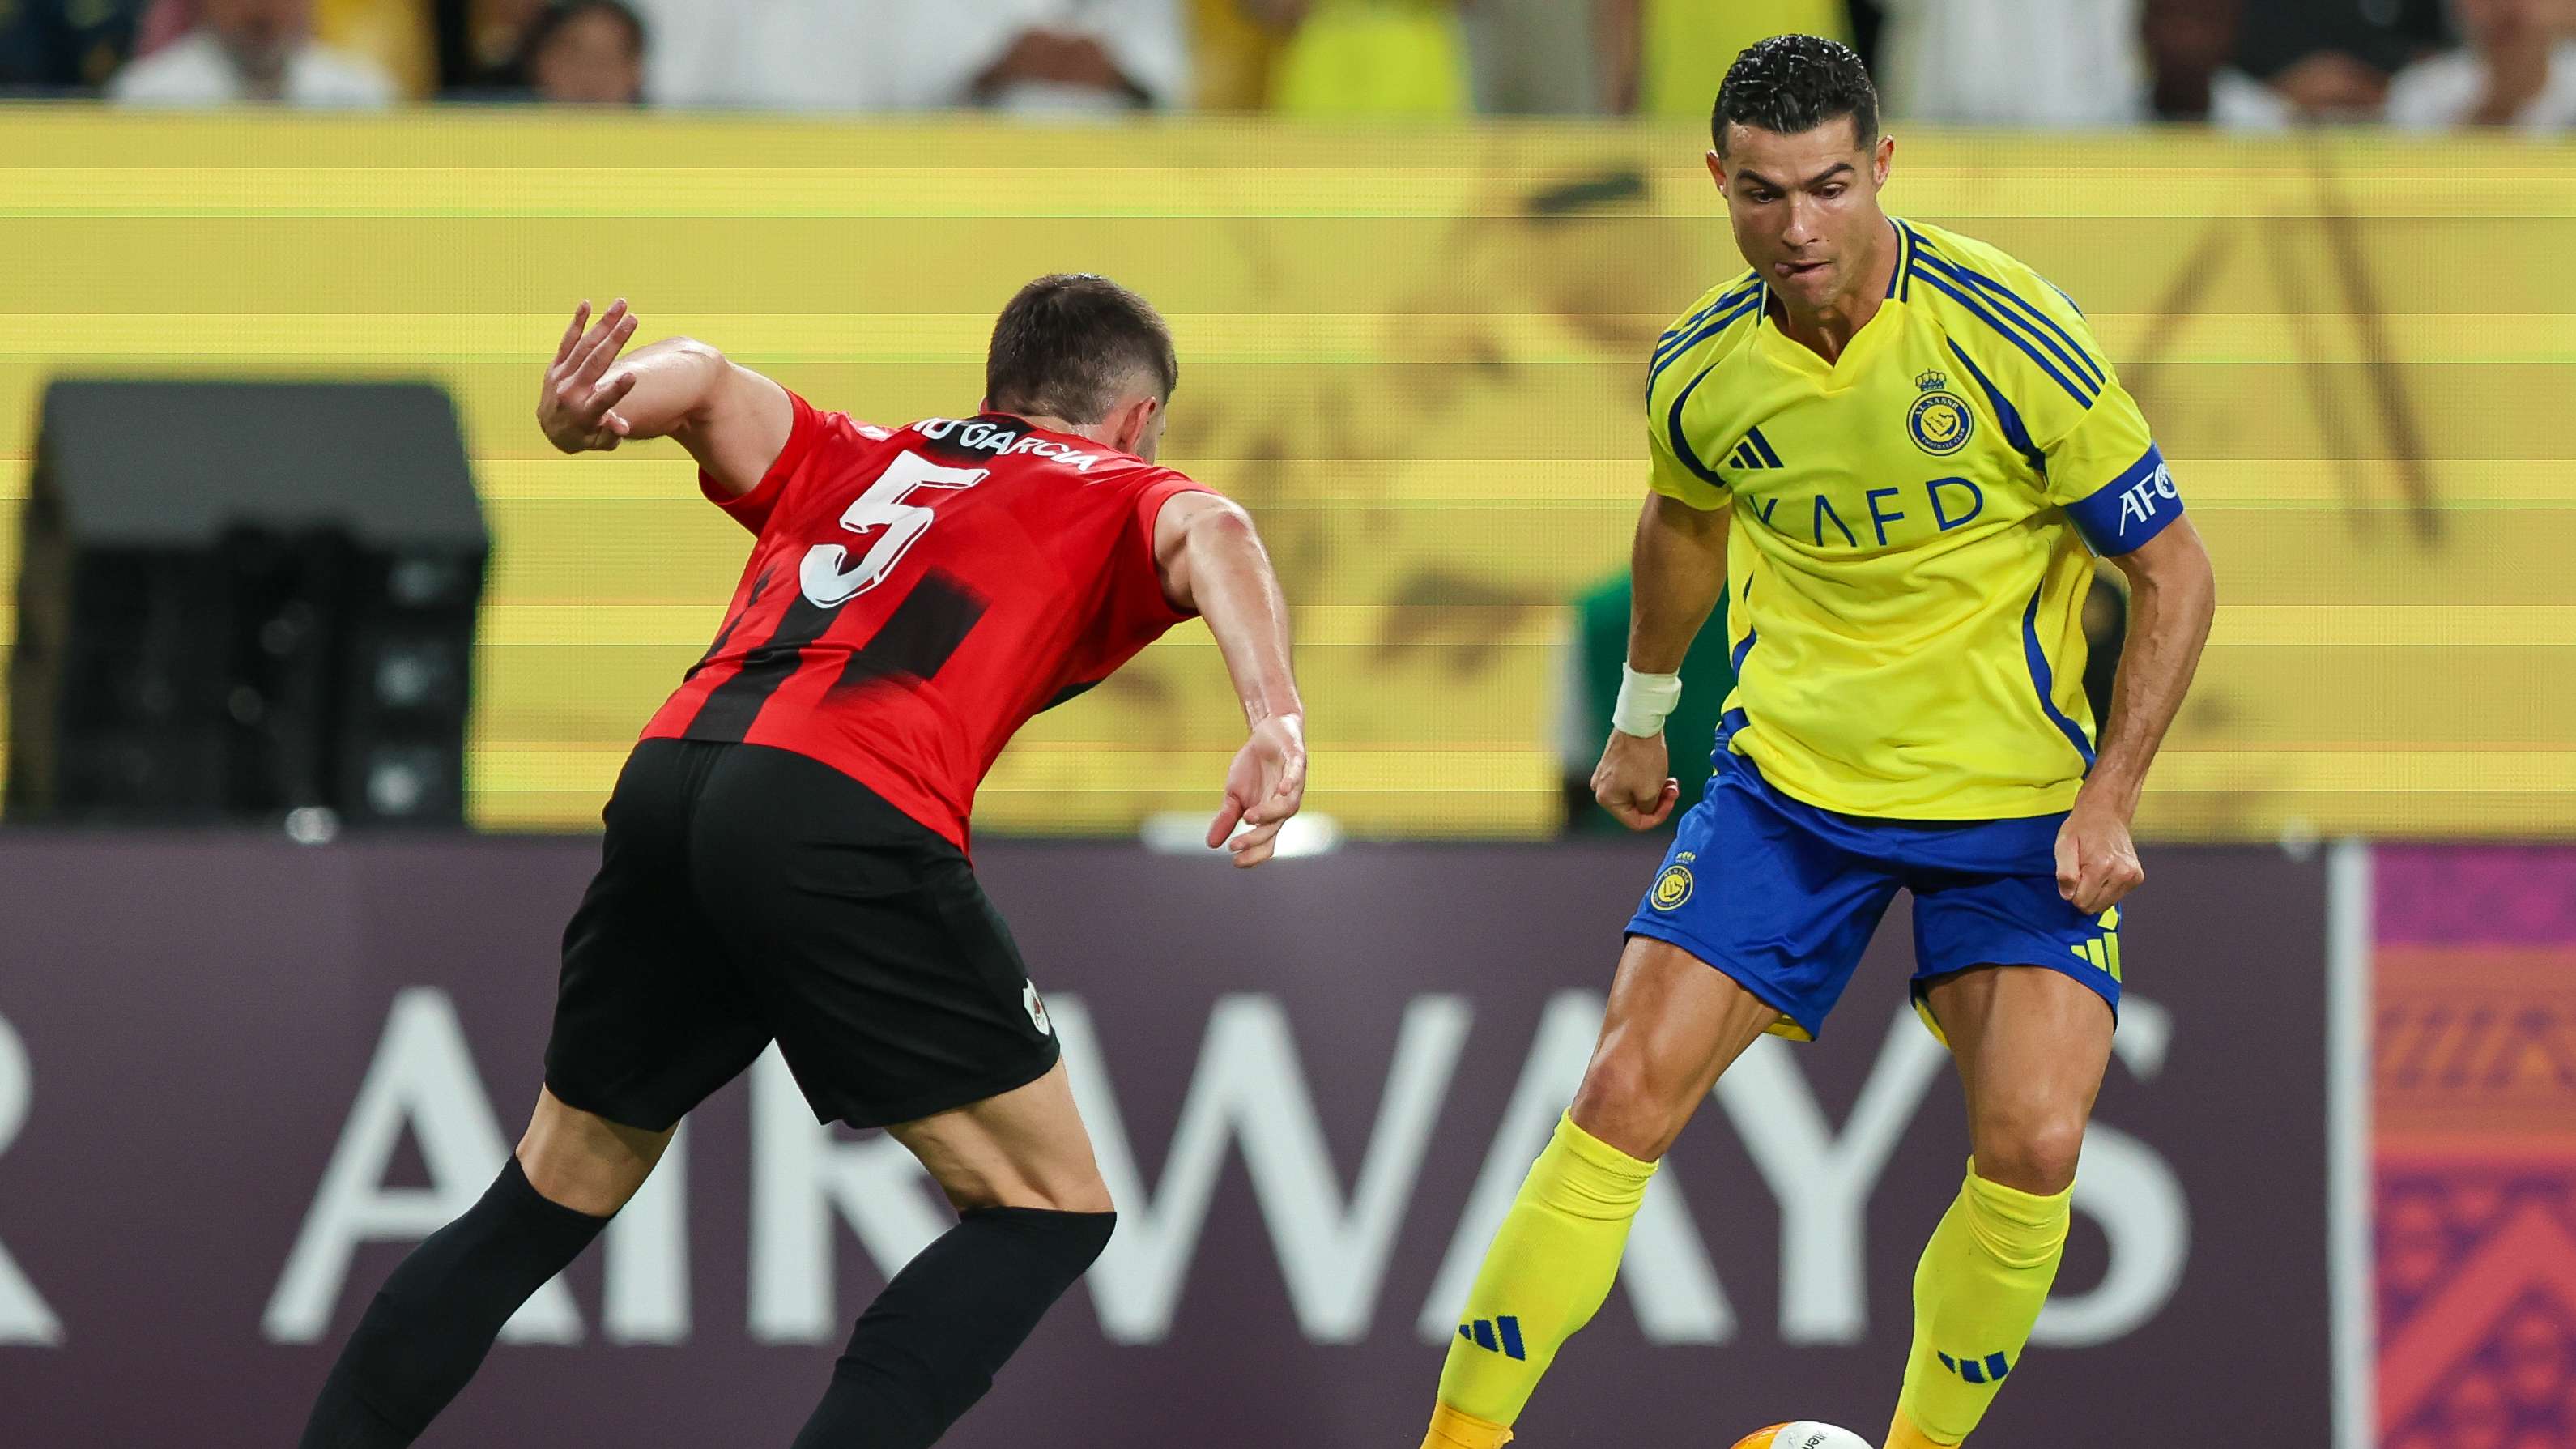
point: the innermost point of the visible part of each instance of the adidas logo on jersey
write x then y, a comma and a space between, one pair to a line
1495, 1335
1754, 452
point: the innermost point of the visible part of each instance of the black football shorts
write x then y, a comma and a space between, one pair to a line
747, 894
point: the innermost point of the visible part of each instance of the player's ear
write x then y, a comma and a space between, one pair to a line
1717, 170
1883, 158
1130, 423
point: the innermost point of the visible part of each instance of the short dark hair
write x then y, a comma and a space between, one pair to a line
1791, 84
1066, 343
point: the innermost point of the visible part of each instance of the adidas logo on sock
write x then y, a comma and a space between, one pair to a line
1495, 1335
1989, 1371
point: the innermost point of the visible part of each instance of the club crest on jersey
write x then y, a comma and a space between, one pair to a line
1939, 421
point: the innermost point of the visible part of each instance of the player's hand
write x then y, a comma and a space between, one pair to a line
2097, 862
1630, 781
1263, 787
578, 408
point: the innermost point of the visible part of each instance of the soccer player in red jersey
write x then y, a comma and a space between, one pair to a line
785, 856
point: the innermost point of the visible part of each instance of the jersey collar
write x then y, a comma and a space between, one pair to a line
1794, 355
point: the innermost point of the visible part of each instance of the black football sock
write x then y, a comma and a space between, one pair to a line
435, 1318
928, 1348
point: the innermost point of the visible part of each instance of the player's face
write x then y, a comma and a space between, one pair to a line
1805, 207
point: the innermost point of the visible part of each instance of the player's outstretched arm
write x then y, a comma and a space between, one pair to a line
2173, 596
1212, 561
731, 419
1677, 570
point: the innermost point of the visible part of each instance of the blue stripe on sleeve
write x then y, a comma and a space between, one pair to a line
1730, 300
2010, 303
1681, 444
2081, 396
2124, 513
2044, 680
2015, 431
1729, 319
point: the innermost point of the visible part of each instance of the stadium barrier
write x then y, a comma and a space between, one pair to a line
1417, 357
239, 1077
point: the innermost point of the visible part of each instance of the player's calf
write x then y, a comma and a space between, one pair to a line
2031, 1044
1033, 1214
429, 1327
1673, 1023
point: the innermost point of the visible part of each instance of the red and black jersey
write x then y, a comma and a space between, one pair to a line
917, 594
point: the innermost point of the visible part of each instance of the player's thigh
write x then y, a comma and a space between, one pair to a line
1673, 1024
651, 1014
583, 1161
1771, 892
1023, 1148
2031, 1044
2007, 971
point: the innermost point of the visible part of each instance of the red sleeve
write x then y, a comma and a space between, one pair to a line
752, 509
1137, 604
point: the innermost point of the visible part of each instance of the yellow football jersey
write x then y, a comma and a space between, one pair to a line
1907, 558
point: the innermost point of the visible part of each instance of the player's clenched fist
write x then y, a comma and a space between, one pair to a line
1630, 782
577, 407
2097, 862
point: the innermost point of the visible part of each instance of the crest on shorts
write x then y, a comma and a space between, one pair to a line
1672, 887
1940, 421
1036, 1008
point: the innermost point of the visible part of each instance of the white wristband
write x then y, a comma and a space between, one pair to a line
1644, 700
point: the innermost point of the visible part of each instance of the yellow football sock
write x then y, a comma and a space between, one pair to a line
1977, 1291
1550, 1267
1903, 1435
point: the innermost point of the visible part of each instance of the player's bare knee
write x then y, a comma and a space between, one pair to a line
585, 1186
1077, 1196
2035, 1153
1626, 1104
583, 1161
1026, 1187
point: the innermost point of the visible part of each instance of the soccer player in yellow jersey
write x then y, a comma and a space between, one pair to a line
1900, 449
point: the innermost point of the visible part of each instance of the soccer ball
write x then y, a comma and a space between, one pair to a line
1804, 1434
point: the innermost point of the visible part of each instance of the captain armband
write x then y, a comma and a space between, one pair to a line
2124, 513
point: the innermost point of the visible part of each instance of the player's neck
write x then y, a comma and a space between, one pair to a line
1828, 330
1096, 432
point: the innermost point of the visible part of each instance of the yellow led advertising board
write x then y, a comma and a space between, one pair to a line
1416, 355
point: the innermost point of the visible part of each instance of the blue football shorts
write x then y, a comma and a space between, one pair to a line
1782, 896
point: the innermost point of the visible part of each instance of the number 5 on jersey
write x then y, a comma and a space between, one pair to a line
827, 585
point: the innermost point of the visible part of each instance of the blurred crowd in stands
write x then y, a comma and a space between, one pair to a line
2257, 64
